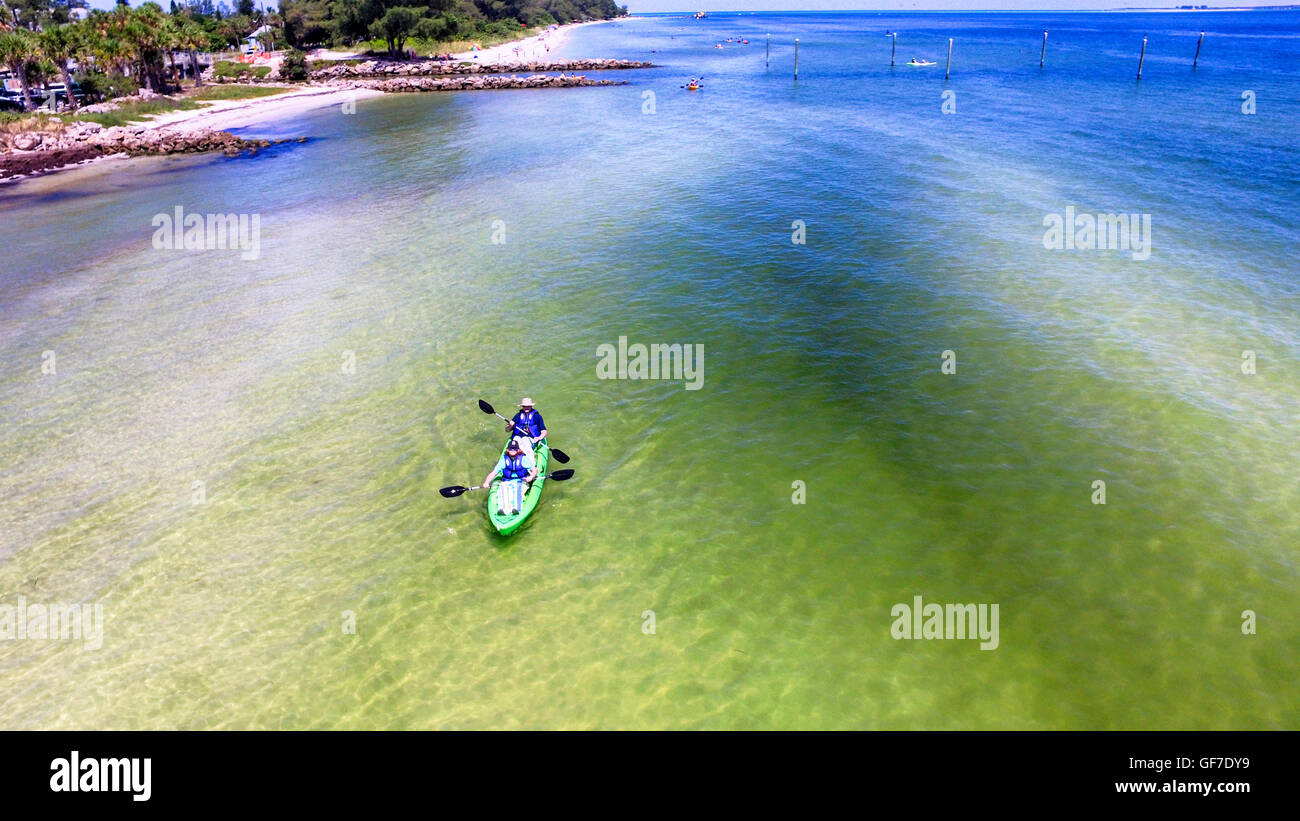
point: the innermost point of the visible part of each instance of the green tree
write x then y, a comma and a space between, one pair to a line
16, 48
59, 44
228, 29
308, 22
294, 66
192, 38
268, 38
144, 31
34, 14
396, 26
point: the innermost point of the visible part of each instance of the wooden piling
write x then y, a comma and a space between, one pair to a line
1143, 58
1042, 55
948, 70
767, 59
1198, 49
796, 58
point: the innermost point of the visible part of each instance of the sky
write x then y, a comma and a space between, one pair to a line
636, 6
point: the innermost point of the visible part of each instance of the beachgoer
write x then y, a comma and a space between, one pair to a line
517, 471
527, 426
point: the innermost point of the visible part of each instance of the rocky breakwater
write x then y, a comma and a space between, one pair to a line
56, 144
372, 69
408, 84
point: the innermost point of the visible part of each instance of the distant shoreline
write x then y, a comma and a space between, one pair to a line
1211, 8
298, 99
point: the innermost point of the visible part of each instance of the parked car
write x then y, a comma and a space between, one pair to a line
61, 95
11, 95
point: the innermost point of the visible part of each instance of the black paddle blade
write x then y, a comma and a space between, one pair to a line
485, 407
561, 475
560, 456
453, 491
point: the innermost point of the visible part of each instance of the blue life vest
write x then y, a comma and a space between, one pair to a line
513, 468
528, 423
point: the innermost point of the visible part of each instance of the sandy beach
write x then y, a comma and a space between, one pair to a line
219, 116
244, 113
228, 114
539, 47
225, 115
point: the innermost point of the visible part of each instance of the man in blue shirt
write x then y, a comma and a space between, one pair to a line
527, 426
517, 470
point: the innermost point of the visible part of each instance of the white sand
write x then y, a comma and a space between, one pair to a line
224, 114
530, 49
536, 48
220, 115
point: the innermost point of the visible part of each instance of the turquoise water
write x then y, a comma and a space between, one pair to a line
821, 365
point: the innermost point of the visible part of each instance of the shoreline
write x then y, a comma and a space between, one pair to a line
220, 116
536, 47
532, 48
297, 99
228, 114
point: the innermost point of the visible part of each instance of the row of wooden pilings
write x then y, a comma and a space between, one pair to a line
947, 71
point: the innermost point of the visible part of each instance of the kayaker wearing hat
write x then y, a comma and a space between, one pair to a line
527, 425
517, 470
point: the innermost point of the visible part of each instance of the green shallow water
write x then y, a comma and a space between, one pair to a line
821, 365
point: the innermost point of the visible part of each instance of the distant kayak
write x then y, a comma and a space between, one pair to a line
505, 525
921, 63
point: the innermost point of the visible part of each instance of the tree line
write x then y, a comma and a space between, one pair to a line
309, 23
117, 51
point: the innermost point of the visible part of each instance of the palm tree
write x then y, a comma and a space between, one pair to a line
105, 39
59, 45
170, 39
267, 39
112, 53
16, 48
144, 32
193, 37
228, 31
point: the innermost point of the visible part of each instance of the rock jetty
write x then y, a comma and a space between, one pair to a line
488, 83
437, 68
58, 145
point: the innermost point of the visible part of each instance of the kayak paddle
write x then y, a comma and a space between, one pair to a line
456, 490
560, 456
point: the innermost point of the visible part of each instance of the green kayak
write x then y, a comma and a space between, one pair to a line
506, 525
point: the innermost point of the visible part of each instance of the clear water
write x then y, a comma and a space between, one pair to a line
822, 365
